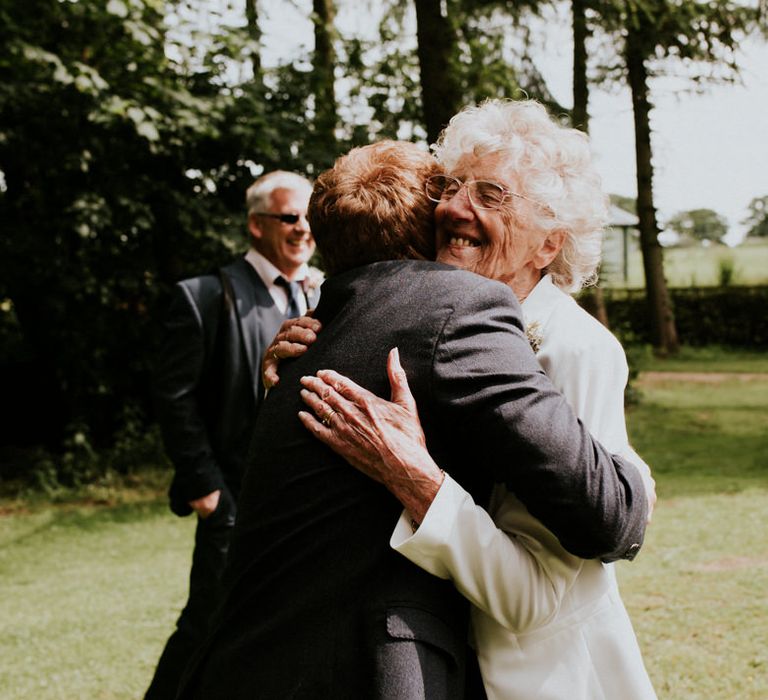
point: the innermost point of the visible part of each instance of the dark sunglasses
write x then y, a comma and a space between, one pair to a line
284, 218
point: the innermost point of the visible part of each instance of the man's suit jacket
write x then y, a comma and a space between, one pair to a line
208, 378
315, 599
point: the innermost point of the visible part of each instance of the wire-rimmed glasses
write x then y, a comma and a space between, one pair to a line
483, 194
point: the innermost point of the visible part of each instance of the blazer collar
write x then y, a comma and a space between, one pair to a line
258, 316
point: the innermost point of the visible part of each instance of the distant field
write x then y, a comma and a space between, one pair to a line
694, 267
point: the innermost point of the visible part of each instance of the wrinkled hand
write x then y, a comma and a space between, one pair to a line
293, 339
207, 504
382, 439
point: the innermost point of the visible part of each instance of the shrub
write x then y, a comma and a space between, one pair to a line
732, 316
726, 271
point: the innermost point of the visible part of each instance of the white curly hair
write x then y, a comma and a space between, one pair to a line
553, 166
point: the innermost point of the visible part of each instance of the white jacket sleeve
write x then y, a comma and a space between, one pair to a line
515, 578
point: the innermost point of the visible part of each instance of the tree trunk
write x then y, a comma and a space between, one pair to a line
580, 113
254, 34
657, 295
323, 69
440, 88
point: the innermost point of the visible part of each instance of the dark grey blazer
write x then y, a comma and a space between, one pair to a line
317, 604
207, 383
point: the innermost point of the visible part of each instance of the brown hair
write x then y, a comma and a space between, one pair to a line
371, 206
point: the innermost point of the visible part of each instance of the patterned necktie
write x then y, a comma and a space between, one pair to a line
292, 289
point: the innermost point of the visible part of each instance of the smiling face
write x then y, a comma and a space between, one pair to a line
287, 246
495, 243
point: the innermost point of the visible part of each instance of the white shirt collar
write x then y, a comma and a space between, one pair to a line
267, 271
538, 304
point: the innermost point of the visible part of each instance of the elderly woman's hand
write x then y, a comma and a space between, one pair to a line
383, 439
293, 339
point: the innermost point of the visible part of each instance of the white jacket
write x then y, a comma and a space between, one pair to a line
546, 625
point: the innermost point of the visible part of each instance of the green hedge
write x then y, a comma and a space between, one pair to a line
732, 316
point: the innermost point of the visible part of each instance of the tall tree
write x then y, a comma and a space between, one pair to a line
699, 225
580, 31
254, 35
580, 112
441, 94
657, 294
324, 65
757, 218
465, 51
694, 32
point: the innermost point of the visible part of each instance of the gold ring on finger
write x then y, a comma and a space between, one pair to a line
327, 417
274, 354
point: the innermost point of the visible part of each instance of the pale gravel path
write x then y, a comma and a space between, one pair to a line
703, 377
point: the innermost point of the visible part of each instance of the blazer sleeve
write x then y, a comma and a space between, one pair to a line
517, 579
491, 391
520, 578
179, 368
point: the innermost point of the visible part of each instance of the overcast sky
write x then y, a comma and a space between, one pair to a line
710, 150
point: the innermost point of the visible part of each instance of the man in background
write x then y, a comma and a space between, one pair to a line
208, 387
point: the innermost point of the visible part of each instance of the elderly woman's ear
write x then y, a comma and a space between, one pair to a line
549, 249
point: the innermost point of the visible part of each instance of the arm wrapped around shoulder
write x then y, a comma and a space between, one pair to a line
492, 392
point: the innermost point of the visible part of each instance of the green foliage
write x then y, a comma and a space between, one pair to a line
726, 270
494, 52
757, 218
129, 131
78, 463
492, 60
690, 32
732, 316
125, 154
699, 224
99, 129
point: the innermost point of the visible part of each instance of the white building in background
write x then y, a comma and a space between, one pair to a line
621, 240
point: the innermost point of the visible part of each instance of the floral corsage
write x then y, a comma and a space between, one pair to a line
535, 338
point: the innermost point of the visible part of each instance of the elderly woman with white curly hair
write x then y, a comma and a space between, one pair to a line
520, 202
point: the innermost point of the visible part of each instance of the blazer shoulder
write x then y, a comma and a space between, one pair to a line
465, 284
207, 287
201, 285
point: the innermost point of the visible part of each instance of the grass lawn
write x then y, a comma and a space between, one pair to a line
706, 359
90, 593
91, 588
698, 593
